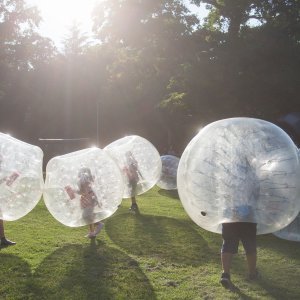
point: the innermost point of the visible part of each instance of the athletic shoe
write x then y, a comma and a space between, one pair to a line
254, 276
225, 280
98, 228
90, 235
134, 208
5, 242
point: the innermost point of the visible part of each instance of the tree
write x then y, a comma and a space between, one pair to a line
150, 39
255, 69
22, 50
76, 43
20, 44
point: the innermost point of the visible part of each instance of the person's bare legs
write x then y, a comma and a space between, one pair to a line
226, 259
134, 206
92, 228
91, 231
133, 201
2, 235
4, 241
98, 227
251, 261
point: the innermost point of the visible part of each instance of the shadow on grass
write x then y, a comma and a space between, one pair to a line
93, 272
287, 248
281, 288
170, 194
279, 275
157, 236
285, 283
14, 275
236, 290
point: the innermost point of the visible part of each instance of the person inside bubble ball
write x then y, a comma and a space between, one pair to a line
88, 201
133, 174
4, 242
242, 226
232, 233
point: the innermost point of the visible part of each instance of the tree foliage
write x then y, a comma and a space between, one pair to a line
153, 68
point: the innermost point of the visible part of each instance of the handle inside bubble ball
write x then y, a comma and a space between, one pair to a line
10, 180
70, 192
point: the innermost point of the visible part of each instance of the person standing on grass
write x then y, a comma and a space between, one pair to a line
133, 174
4, 241
88, 201
240, 225
232, 233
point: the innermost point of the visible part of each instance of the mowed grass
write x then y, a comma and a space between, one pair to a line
160, 254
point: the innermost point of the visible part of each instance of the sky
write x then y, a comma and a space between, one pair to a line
57, 22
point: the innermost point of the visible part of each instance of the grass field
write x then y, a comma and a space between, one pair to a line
160, 254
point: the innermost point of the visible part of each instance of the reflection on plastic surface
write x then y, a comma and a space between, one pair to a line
240, 170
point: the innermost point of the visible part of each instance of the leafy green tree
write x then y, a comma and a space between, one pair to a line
77, 42
22, 50
20, 44
255, 68
150, 39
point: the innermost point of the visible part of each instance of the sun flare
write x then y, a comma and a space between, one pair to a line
59, 15
67, 11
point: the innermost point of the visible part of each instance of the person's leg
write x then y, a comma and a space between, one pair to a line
92, 228
3, 239
1, 229
134, 207
88, 217
229, 248
91, 233
226, 259
133, 185
251, 261
248, 238
133, 201
98, 227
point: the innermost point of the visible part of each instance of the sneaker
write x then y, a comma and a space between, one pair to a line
254, 276
225, 280
90, 235
98, 228
134, 207
5, 242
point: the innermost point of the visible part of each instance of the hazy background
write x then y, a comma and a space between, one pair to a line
94, 71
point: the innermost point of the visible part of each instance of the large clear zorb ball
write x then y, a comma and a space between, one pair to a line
291, 232
82, 187
168, 177
139, 162
240, 170
21, 177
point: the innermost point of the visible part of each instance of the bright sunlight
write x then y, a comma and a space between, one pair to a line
59, 15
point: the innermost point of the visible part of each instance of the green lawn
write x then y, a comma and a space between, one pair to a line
160, 254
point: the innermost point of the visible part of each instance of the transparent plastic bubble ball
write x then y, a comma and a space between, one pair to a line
240, 170
168, 177
290, 232
139, 162
21, 177
82, 187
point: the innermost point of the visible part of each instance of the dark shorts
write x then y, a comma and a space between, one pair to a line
232, 233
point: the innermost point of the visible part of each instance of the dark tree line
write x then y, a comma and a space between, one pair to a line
153, 69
